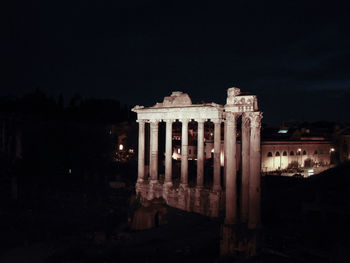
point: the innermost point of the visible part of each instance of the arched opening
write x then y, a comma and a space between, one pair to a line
291, 153
284, 153
304, 152
277, 154
269, 154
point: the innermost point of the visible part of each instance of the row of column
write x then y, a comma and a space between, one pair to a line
249, 199
184, 153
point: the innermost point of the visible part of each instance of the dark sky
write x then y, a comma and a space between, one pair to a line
293, 54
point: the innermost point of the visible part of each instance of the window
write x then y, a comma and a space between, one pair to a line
269, 154
298, 152
178, 150
189, 151
277, 154
284, 153
304, 152
315, 152
291, 153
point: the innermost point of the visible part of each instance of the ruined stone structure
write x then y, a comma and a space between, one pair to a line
241, 210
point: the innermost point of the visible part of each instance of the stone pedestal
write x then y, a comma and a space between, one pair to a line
197, 201
214, 199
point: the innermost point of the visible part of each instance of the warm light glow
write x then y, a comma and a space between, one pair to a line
299, 150
178, 150
212, 150
332, 149
131, 150
121, 147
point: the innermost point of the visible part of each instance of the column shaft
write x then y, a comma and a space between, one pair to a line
168, 152
141, 152
245, 141
154, 151
200, 154
217, 149
254, 178
184, 153
231, 184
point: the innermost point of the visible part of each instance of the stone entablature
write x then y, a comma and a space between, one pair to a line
190, 112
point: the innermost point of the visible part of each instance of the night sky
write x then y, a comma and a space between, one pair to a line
293, 54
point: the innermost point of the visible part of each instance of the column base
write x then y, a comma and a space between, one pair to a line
184, 186
153, 182
167, 184
217, 188
239, 241
214, 203
197, 200
139, 181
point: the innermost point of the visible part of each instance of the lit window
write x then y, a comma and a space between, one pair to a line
178, 150
121, 147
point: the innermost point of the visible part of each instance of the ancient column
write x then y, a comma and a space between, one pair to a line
200, 154
245, 145
184, 153
153, 165
168, 153
141, 152
217, 148
254, 178
231, 185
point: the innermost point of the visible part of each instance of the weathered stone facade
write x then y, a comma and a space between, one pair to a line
219, 197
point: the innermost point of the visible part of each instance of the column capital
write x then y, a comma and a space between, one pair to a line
184, 120
231, 116
154, 121
217, 121
141, 121
255, 119
200, 120
169, 120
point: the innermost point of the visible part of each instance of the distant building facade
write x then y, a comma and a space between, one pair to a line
292, 149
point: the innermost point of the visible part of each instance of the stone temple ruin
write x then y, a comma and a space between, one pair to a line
242, 211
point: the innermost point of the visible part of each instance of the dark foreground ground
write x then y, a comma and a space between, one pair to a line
304, 220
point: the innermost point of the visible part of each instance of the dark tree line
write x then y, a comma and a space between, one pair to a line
38, 105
